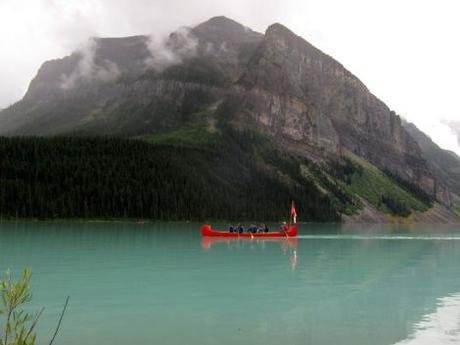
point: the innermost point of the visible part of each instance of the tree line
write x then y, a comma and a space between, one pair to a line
74, 177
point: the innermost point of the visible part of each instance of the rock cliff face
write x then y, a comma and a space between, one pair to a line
297, 92
445, 165
275, 83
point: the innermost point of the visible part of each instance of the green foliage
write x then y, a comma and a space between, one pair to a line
457, 207
189, 136
344, 169
328, 178
382, 192
19, 325
411, 188
195, 172
349, 178
395, 206
197, 131
237, 176
273, 177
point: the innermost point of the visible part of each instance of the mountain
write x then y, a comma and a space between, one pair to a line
132, 86
250, 103
445, 164
296, 92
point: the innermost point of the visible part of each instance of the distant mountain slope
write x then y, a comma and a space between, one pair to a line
446, 164
220, 77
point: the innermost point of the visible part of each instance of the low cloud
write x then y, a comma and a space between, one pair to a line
455, 128
442, 133
171, 50
166, 51
88, 70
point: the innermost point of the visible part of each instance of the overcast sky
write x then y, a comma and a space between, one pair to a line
406, 51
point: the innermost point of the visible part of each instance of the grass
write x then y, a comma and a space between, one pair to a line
190, 136
373, 185
198, 131
342, 199
350, 182
457, 206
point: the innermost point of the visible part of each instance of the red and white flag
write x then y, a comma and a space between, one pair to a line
293, 213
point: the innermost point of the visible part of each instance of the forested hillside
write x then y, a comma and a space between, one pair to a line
187, 175
117, 178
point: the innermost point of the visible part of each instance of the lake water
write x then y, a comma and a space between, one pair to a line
161, 284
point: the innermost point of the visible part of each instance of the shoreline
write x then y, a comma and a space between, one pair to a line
346, 222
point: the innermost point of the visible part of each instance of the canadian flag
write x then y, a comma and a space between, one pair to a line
293, 213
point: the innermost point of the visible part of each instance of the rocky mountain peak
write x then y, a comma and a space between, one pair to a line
279, 29
222, 29
221, 23
280, 38
222, 20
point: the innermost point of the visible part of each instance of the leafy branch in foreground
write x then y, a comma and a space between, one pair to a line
19, 327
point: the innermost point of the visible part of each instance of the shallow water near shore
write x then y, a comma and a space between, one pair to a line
163, 284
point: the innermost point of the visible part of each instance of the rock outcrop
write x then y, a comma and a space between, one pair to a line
444, 164
295, 91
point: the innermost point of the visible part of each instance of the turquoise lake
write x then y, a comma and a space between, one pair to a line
162, 284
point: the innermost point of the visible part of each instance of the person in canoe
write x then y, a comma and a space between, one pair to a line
284, 227
231, 228
240, 228
252, 229
262, 228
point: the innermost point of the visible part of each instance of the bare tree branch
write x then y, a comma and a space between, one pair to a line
60, 320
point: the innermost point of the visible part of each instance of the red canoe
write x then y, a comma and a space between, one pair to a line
206, 230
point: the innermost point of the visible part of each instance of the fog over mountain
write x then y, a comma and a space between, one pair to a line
455, 126
413, 68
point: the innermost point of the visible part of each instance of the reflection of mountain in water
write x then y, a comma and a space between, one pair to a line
440, 327
354, 290
287, 245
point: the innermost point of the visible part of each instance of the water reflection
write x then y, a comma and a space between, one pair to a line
440, 327
415, 230
287, 245
208, 242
